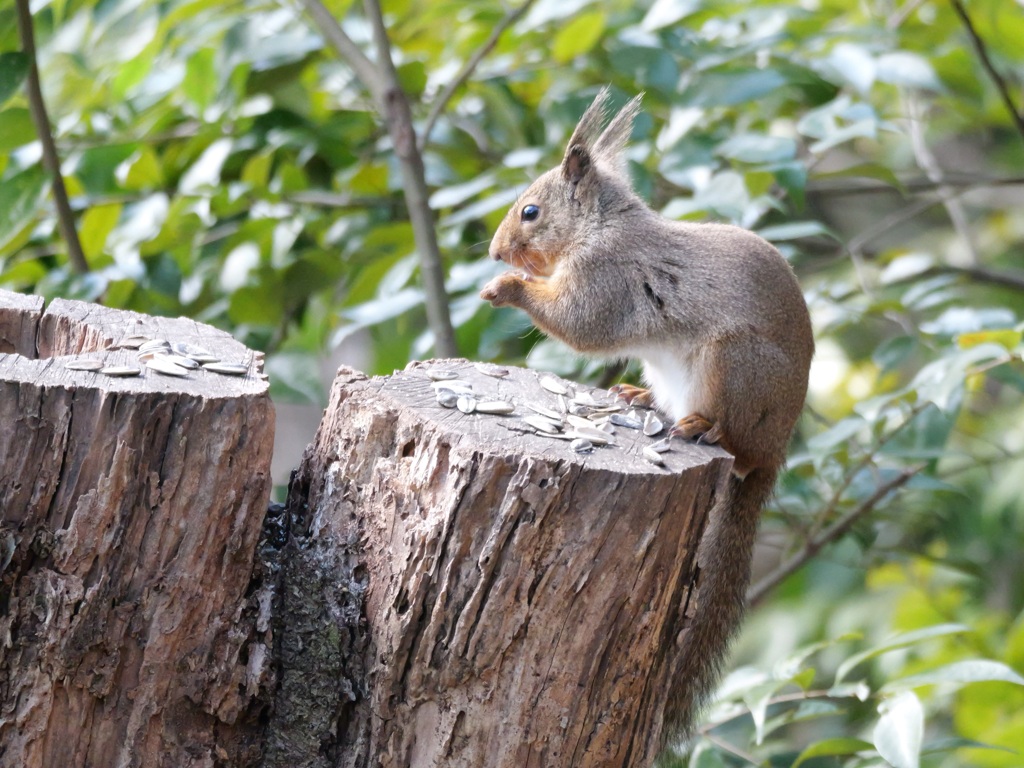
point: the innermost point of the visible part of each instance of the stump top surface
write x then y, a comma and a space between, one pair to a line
37, 345
510, 434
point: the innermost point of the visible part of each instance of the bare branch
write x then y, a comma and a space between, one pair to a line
380, 78
930, 165
442, 99
986, 62
347, 50
855, 187
51, 161
398, 117
759, 591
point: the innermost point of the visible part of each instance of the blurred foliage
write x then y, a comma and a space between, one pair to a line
225, 165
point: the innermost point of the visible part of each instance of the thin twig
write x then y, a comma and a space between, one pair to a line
369, 75
51, 161
854, 187
986, 62
442, 99
759, 591
930, 165
723, 744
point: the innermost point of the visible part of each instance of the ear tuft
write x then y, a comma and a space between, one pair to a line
576, 163
588, 129
610, 144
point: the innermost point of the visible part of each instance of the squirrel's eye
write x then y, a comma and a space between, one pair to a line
530, 213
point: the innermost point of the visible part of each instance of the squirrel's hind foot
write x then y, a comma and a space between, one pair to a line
638, 396
696, 426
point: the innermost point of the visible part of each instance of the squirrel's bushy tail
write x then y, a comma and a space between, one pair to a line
724, 557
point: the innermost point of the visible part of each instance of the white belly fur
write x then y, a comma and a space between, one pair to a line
671, 379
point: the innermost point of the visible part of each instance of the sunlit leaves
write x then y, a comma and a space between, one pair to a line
13, 70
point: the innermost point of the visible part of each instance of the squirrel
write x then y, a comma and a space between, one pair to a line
717, 317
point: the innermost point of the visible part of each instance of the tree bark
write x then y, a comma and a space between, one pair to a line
131, 508
442, 589
459, 593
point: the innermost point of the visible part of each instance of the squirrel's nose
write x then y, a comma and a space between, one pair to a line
496, 254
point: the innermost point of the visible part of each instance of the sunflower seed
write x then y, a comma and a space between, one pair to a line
553, 385
581, 445
90, 364
580, 422
546, 412
543, 424
492, 370
652, 424
198, 354
228, 369
517, 426
454, 385
585, 398
499, 407
607, 427
662, 446
447, 399
130, 342
161, 364
622, 420
597, 438
154, 345
184, 362
653, 456
441, 374
121, 370
466, 404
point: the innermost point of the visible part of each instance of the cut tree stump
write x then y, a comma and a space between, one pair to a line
130, 509
460, 593
442, 589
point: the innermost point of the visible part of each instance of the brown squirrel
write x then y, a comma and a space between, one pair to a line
717, 317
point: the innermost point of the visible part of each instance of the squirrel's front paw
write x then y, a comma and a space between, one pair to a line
504, 290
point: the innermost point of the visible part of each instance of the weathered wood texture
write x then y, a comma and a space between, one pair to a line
457, 593
130, 510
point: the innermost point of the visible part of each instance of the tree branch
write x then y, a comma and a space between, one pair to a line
347, 50
930, 165
759, 591
442, 99
986, 62
398, 117
380, 78
51, 161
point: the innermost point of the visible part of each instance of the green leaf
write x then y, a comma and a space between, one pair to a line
757, 148
838, 746
141, 171
960, 672
729, 88
19, 196
900, 731
13, 71
16, 128
665, 13
95, 226
200, 83
899, 641
579, 36
795, 230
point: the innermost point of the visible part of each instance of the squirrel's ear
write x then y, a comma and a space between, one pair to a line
576, 163
589, 125
612, 141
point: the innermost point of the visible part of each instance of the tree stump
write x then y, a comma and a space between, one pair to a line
130, 510
458, 592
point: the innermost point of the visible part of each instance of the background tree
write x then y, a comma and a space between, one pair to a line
233, 162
